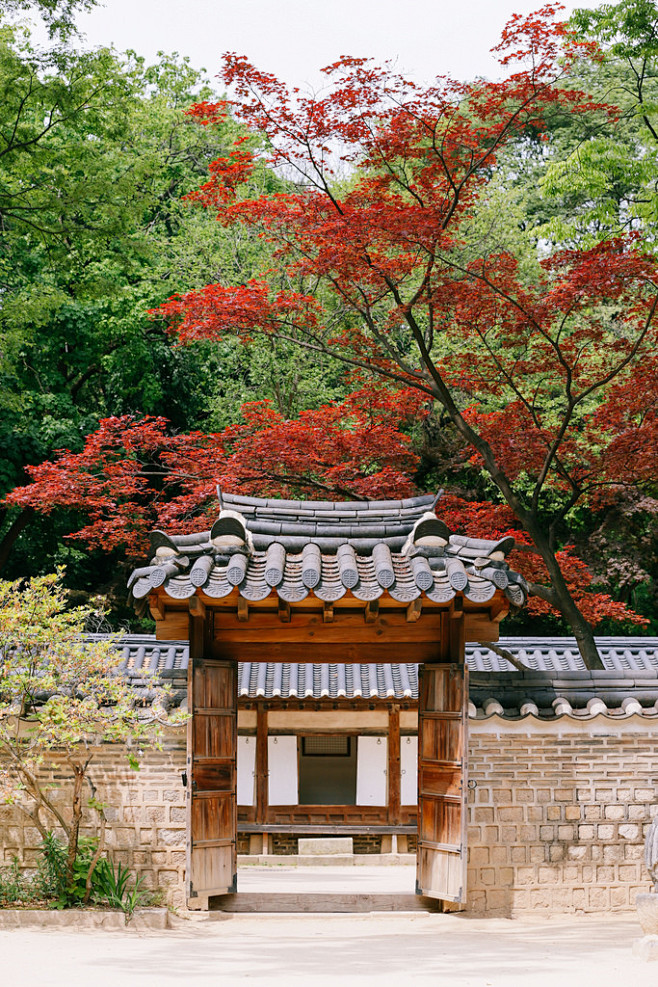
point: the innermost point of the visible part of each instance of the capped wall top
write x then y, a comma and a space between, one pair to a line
554, 685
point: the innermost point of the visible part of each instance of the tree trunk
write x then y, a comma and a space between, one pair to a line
563, 601
16, 528
74, 832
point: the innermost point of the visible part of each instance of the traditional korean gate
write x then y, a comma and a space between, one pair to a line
442, 777
212, 780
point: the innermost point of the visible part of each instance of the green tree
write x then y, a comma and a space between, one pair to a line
94, 233
61, 695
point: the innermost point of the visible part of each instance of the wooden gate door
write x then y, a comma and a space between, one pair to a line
212, 780
442, 781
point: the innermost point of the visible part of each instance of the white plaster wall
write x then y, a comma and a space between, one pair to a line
371, 765
246, 770
409, 770
283, 780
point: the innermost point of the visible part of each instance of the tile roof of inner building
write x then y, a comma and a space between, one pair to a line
556, 683
328, 524
329, 549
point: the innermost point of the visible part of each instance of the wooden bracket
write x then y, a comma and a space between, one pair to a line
156, 606
457, 608
496, 615
327, 612
197, 607
284, 611
414, 610
372, 611
243, 609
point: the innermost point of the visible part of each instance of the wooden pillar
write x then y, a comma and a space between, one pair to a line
394, 765
457, 636
262, 770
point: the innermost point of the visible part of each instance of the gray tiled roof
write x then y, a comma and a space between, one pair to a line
556, 684
295, 548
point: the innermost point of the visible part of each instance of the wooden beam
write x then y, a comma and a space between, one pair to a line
243, 609
262, 768
372, 611
284, 611
156, 606
330, 653
394, 765
328, 828
457, 608
327, 624
197, 608
414, 611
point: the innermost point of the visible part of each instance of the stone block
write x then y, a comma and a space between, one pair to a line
325, 846
647, 913
478, 855
646, 948
171, 837
629, 831
614, 812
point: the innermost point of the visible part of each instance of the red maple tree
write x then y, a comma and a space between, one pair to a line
134, 475
375, 267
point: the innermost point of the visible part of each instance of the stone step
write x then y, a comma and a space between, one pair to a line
277, 860
293, 902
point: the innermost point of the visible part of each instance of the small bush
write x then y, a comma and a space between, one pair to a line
18, 888
67, 894
112, 885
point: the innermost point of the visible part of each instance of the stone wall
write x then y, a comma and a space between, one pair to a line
145, 811
557, 817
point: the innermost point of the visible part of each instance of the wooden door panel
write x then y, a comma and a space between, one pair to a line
213, 734
442, 781
212, 779
441, 739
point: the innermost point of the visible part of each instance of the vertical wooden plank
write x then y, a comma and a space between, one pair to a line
442, 781
394, 779
262, 771
212, 774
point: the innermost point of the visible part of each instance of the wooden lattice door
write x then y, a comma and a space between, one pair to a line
212, 780
442, 781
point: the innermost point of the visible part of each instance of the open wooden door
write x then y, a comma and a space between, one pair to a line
212, 780
442, 781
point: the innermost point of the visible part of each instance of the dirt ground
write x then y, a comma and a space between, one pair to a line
363, 950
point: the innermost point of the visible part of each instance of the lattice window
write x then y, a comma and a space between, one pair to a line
326, 746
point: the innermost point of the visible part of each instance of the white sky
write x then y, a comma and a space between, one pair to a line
295, 38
